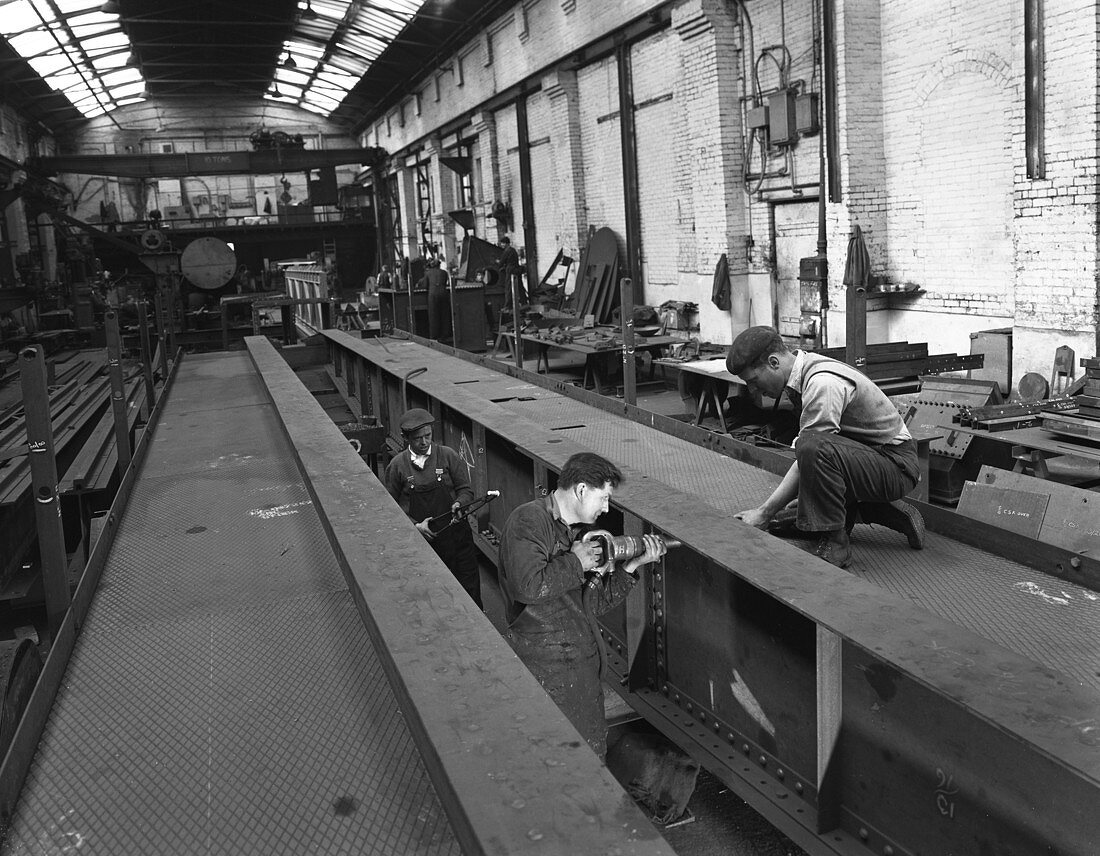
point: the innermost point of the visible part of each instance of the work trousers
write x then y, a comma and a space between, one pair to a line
569, 671
457, 550
836, 473
439, 314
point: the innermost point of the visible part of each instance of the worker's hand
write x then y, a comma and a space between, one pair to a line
456, 505
589, 553
754, 517
654, 549
425, 530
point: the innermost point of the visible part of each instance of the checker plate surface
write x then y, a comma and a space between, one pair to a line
223, 696
1046, 619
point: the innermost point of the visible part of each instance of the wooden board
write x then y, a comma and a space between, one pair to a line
1020, 511
1072, 518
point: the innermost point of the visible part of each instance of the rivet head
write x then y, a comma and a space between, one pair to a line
887, 850
763, 760
745, 748
798, 787
863, 833
779, 774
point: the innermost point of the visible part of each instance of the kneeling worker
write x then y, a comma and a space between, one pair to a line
542, 572
428, 480
854, 456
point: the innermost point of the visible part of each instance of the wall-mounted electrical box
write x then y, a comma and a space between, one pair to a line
806, 115
781, 121
813, 269
757, 117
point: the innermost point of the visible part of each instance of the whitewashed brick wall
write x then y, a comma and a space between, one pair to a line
654, 64
601, 147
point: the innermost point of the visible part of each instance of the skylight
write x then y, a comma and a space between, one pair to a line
78, 50
333, 44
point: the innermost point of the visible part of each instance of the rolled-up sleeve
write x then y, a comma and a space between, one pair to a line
530, 573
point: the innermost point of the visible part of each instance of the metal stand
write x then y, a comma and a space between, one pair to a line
47, 503
118, 391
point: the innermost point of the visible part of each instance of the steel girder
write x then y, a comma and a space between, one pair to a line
853, 719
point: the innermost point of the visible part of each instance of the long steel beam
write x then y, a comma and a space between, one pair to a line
512, 774
852, 718
1056, 561
263, 162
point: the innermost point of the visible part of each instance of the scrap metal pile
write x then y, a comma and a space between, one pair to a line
84, 443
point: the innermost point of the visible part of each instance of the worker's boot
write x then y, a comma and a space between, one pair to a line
899, 516
835, 548
784, 525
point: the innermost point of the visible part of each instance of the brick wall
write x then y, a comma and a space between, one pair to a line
601, 148
654, 64
948, 107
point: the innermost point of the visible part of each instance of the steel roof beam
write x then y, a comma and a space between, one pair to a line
204, 163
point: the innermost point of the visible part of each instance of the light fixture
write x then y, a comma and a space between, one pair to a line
275, 93
289, 62
308, 13
110, 8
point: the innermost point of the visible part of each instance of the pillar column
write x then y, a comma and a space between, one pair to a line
485, 127
711, 151
443, 200
560, 87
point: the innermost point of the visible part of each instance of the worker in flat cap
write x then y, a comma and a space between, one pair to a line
854, 456
428, 480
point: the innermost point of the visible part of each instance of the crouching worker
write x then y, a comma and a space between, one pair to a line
542, 573
854, 456
428, 480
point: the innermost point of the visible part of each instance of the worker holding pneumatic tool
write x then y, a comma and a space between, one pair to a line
556, 579
431, 483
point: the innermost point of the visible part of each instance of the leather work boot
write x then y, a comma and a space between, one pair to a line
897, 515
783, 525
835, 548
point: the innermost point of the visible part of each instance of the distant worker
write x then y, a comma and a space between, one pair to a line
854, 456
436, 281
542, 573
385, 278
429, 479
510, 271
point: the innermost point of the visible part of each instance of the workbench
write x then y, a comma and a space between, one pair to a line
711, 393
597, 361
1032, 447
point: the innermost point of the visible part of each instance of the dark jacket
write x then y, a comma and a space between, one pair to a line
543, 580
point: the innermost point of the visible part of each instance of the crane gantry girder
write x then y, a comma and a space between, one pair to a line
184, 164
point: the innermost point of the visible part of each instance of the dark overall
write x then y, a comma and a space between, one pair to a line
454, 545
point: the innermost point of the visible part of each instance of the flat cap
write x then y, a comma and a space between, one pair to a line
750, 345
415, 418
